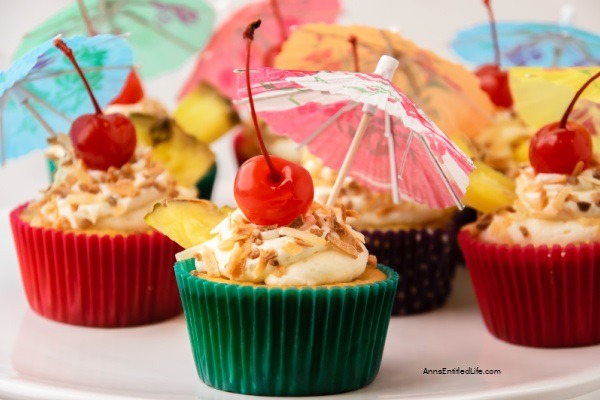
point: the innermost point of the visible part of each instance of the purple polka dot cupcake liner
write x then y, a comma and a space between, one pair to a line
425, 260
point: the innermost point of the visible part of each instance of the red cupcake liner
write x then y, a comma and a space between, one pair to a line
536, 296
96, 280
425, 261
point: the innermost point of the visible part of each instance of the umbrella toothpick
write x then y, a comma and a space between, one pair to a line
339, 180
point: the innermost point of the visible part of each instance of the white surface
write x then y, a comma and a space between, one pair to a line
41, 359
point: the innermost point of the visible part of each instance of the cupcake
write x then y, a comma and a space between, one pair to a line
304, 304
534, 264
416, 241
85, 253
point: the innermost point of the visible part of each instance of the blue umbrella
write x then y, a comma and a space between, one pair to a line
41, 93
529, 44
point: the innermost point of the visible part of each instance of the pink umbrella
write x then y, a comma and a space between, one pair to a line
225, 52
363, 126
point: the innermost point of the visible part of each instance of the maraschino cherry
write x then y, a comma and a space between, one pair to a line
270, 190
560, 146
492, 79
132, 91
100, 140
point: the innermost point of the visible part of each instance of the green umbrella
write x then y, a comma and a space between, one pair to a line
163, 33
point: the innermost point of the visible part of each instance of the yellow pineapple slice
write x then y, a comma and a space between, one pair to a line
187, 222
185, 157
489, 189
205, 114
521, 152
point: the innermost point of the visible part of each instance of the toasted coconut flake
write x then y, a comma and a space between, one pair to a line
210, 262
543, 199
484, 222
297, 222
337, 243
270, 234
305, 236
80, 198
254, 254
559, 200
372, 261
238, 258
123, 188
198, 257
524, 231
578, 168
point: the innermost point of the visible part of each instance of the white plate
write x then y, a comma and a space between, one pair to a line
41, 359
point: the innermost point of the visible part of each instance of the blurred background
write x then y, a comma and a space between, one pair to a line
429, 23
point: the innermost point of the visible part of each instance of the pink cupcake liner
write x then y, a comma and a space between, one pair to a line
96, 280
536, 296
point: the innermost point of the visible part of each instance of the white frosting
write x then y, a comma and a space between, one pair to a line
550, 209
317, 264
117, 202
377, 210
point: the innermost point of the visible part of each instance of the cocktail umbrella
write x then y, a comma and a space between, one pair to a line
529, 44
225, 52
542, 95
446, 91
361, 124
41, 93
163, 33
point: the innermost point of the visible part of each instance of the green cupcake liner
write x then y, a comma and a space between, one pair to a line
286, 341
206, 183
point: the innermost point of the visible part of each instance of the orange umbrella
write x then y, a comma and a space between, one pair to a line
447, 92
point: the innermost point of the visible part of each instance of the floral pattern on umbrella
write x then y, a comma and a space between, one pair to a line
322, 109
226, 52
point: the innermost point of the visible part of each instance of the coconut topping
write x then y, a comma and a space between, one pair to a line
82, 198
550, 209
375, 209
316, 248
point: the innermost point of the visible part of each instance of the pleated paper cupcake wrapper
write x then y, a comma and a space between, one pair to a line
286, 341
204, 185
96, 280
425, 261
537, 296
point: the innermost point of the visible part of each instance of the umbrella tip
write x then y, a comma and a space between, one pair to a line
386, 67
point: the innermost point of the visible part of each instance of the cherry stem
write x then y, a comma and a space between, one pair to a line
86, 18
488, 6
565, 117
62, 46
354, 43
279, 19
274, 175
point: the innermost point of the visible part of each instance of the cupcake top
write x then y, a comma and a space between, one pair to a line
550, 209
317, 248
376, 210
116, 200
498, 142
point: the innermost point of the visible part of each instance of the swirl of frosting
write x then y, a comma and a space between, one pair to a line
318, 248
115, 200
550, 209
146, 106
376, 210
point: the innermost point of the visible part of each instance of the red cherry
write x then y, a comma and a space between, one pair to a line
558, 150
494, 81
132, 91
102, 141
270, 190
265, 201
558, 147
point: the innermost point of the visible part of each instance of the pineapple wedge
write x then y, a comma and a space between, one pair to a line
187, 222
521, 152
186, 158
489, 189
205, 114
